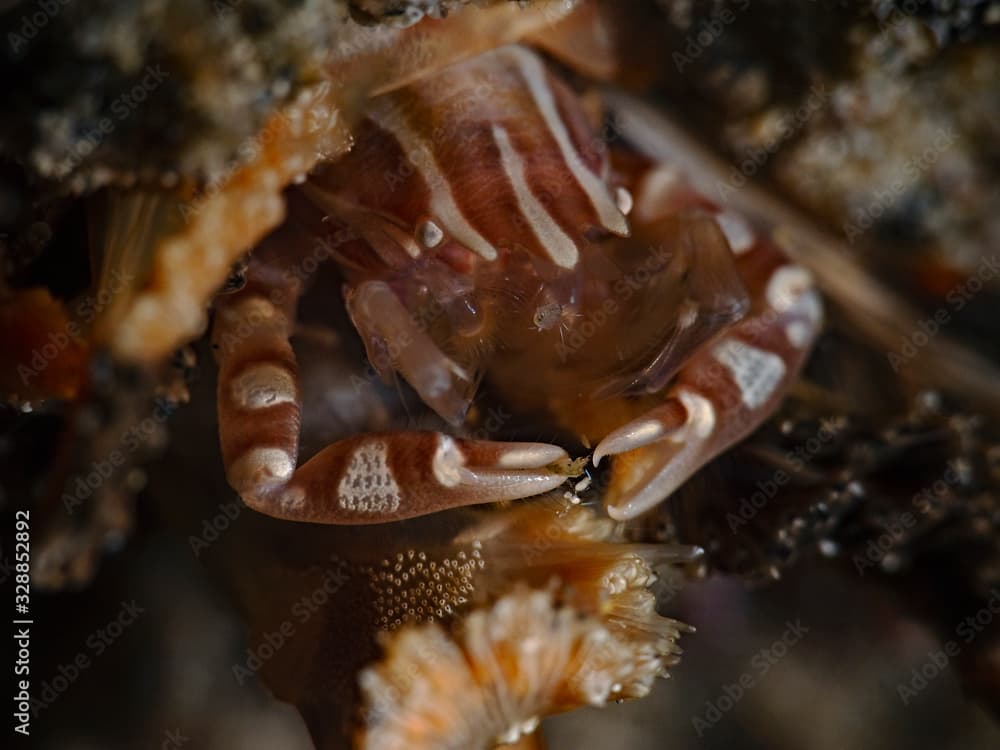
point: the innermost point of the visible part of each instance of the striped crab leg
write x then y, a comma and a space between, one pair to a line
370, 478
728, 388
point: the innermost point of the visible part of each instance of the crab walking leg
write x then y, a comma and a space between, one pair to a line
369, 478
730, 386
384, 323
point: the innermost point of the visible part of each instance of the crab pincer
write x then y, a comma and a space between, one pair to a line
371, 478
728, 388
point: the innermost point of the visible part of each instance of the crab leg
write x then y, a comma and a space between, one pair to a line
391, 334
368, 478
730, 386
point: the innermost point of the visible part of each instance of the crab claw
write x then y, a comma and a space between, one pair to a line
391, 476
657, 424
726, 391
657, 453
370, 478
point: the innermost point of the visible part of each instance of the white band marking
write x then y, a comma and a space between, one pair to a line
556, 242
756, 372
534, 75
421, 155
368, 485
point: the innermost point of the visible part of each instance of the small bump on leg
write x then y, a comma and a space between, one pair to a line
263, 385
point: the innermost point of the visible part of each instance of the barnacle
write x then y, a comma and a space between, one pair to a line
473, 254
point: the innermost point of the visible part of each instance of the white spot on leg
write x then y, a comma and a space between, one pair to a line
700, 416
429, 234
791, 292
254, 309
623, 199
448, 462
263, 385
787, 287
798, 334
368, 485
292, 500
757, 373
529, 455
260, 468
738, 233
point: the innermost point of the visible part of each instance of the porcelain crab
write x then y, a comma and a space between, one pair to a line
486, 232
